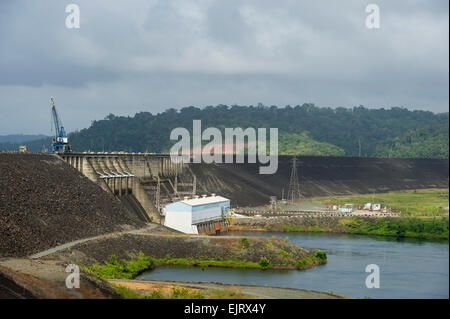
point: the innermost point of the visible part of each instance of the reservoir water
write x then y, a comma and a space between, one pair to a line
409, 268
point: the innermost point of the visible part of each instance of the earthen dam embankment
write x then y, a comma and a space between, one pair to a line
320, 176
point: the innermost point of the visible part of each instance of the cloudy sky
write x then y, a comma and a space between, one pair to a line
131, 56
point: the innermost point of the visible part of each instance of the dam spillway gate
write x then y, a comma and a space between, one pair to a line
143, 182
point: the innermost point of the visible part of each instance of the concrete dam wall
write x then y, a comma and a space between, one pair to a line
242, 183
143, 182
156, 180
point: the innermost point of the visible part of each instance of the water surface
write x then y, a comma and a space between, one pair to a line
409, 268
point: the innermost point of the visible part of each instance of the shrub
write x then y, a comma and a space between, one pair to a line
265, 263
320, 254
121, 268
184, 293
315, 229
283, 253
245, 243
301, 263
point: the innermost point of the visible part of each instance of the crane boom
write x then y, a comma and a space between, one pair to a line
55, 117
60, 140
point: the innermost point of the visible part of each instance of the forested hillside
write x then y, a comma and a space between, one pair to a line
305, 129
427, 141
20, 138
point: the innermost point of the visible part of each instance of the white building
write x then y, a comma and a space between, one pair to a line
187, 214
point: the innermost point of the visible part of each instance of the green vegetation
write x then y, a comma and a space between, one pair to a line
408, 202
428, 141
424, 215
303, 144
304, 129
283, 253
319, 257
183, 293
315, 229
128, 269
226, 293
115, 269
295, 228
431, 228
123, 269
244, 242
426, 228
176, 293
320, 254
125, 292
206, 263
265, 263
269, 245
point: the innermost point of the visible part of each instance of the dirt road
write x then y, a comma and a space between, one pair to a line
248, 291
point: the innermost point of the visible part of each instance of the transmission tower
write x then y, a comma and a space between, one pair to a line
294, 185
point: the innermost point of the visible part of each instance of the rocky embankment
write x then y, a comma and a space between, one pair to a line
319, 176
279, 253
44, 202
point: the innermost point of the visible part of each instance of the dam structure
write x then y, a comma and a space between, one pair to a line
143, 182
147, 182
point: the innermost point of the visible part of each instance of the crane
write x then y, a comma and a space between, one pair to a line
60, 140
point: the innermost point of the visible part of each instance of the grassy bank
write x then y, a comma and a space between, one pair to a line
121, 268
425, 228
128, 269
174, 293
423, 202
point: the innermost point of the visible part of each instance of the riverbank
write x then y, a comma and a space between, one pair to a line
133, 254
410, 268
46, 279
423, 228
98, 262
203, 251
167, 289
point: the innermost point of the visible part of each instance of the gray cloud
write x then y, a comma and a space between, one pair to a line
130, 56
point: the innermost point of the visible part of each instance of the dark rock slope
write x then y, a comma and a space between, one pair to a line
44, 202
320, 176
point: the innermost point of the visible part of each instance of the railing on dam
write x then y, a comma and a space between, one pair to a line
312, 214
142, 165
114, 154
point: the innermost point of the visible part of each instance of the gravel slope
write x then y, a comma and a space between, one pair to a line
319, 176
44, 203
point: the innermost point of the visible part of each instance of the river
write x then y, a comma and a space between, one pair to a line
409, 268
